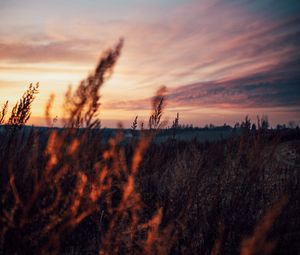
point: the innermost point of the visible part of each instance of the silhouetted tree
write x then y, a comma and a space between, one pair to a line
236, 125
291, 124
253, 128
245, 126
264, 122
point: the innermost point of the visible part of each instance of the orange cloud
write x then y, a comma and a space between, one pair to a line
207, 53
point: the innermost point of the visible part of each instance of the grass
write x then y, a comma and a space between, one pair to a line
65, 191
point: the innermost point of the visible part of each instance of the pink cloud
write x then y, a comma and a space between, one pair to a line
208, 53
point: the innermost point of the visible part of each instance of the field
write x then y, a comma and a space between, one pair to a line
184, 197
82, 189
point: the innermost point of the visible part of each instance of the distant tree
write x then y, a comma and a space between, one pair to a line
264, 122
245, 129
253, 128
246, 124
292, 124
236, 125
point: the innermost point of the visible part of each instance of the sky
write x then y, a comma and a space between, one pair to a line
219, 59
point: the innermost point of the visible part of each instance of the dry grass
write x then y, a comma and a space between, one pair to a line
68, 191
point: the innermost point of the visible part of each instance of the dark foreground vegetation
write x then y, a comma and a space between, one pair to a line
65, 191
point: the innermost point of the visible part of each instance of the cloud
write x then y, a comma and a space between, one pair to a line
278, 87
196, 41
53, 51
228, 57
227, 54
236, 95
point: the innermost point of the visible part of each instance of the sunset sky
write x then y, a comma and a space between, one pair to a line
219, 59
